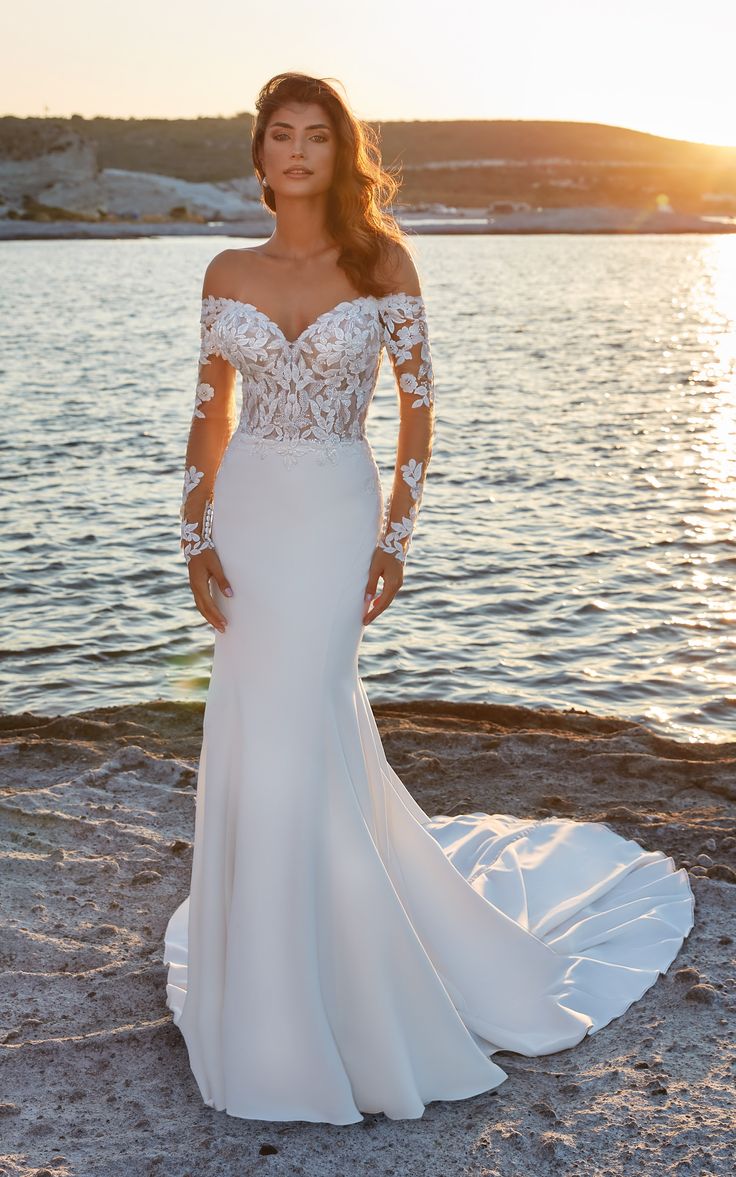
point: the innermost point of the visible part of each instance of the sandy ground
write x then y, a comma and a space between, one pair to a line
96, 823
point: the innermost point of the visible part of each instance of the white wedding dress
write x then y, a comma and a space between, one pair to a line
341, 952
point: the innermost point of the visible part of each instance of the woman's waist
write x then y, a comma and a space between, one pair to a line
318, 470
291, 445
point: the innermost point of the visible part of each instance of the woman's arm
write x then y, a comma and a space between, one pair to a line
406, 337
209, 433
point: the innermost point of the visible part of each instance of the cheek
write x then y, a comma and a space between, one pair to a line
328, 159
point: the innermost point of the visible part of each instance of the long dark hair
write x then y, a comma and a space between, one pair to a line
357, 217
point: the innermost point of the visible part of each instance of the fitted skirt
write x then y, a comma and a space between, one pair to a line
340, 951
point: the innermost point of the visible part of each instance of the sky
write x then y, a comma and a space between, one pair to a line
661, 67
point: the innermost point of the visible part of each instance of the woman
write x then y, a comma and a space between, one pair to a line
340, 952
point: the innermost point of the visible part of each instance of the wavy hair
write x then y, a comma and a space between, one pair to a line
357, 201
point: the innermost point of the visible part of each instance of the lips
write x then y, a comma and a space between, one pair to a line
298, 172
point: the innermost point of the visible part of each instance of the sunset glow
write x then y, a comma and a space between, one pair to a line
657, 67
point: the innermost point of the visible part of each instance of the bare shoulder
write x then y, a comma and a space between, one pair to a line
225, 273
399, 271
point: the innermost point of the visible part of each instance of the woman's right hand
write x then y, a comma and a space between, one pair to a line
203, 568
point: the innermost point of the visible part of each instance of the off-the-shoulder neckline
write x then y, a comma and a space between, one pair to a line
215, 298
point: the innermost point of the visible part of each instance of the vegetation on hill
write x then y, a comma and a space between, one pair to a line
462, 163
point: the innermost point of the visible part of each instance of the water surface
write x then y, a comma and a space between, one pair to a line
576, 545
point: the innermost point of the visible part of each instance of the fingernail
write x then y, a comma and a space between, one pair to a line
228, 592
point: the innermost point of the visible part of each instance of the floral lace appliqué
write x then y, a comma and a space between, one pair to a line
310, 394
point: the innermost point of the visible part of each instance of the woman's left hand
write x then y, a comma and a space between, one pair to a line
387, 568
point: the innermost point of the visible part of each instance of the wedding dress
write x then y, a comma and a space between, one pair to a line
341, 952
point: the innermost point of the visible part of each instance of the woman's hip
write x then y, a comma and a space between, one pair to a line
301, 516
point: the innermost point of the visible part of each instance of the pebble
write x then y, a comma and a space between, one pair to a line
104, 930
703, 993
688, 973
146, 876
720, 871
656, 1088
545, 1110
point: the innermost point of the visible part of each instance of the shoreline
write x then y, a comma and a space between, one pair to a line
603, 220
96, 847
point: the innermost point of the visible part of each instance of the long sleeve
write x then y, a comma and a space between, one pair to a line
406, 337
209, 434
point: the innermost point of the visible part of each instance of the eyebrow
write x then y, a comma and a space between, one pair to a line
311, 127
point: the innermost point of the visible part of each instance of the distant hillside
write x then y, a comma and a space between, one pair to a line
467, 164
202, 150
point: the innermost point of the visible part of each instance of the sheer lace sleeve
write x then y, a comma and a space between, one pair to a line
210, 431
406, 337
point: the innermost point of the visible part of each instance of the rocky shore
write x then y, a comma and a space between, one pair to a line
96, 826
533, 221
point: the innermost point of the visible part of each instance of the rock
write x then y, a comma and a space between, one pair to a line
102, 931
146, 876
703, 993
710, 844
720, 871
47, 162
544, 1109
556, 1146
704, 860
620, 813
553, 801
41, 154
686, 974
126, 193
656, 1088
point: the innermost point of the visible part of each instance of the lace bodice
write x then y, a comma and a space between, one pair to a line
312, 390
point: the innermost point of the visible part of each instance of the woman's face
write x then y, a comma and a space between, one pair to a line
299, 135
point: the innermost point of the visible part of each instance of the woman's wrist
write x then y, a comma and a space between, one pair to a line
396, 534
192, 542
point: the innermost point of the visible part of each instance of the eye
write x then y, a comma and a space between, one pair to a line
318, 135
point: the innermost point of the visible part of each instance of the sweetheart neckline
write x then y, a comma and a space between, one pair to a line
331, 310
